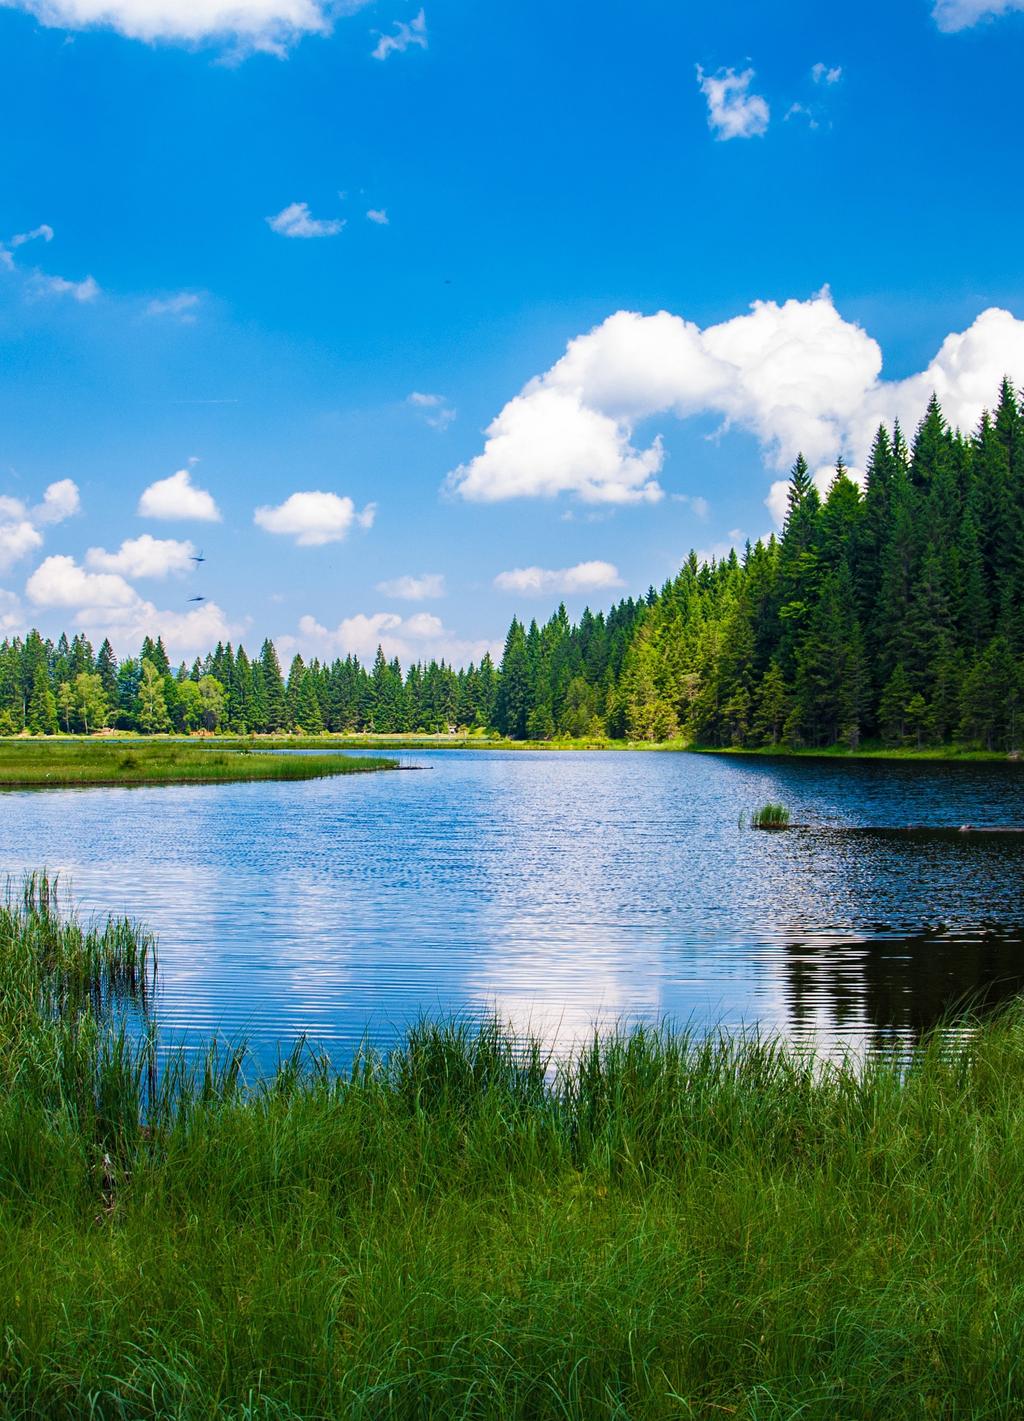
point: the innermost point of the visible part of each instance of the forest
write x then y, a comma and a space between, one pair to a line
892, 614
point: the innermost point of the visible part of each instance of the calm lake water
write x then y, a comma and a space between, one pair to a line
560, 890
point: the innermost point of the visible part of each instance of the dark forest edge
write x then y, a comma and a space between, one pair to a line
892, 615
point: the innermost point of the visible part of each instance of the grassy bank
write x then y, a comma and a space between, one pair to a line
659, 1228
867, 751
53, 763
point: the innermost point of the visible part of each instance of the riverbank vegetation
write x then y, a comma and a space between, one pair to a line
46, 763
659, 1227
892, 614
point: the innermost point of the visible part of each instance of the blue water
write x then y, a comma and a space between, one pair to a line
561, 890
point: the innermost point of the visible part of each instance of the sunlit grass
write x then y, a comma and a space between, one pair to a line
770, 816
659, 1226
27, 763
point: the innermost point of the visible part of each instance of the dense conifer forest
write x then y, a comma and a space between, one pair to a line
892, 614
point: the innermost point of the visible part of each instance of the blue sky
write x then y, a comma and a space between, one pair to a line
206, 304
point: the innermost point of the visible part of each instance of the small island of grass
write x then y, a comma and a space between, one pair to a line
49, 764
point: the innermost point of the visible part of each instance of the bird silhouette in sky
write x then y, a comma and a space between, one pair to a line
197, 599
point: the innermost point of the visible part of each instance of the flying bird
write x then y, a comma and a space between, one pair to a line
199, 557
197, 599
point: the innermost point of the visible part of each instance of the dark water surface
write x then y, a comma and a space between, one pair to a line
562, 890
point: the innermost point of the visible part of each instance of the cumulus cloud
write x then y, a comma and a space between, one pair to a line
105, 604
296, 220
435, 409
12, 618
60, 501
18, 538
182, 306
419, 637
314, 518
270, 25
796, 375
953, 15
733, 111
405, 35
378, 215
565, 581
19, 525
414, 589
177, 497
826, 73
144, 556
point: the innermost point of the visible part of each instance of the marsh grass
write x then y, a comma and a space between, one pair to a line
659, 1226
770, 816
49, 763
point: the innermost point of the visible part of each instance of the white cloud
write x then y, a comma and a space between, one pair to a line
953, 15
178, 497
801, 111
60, 501
733, 112
419, 637
435, 409
59, 582
378, 215
12, 618
19, 526
17, 540
296, 220
269, 25
413, 33
105, 604
414, 589
40, 284
566, 581
182, 306
44, 233
314, 518
797, 376
826, 73
144, 556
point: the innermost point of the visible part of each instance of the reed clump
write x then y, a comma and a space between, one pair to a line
660, 1225
770, 816
44, 764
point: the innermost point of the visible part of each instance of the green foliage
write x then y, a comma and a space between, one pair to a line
892, 614
770, 816
95, 762
655, 1226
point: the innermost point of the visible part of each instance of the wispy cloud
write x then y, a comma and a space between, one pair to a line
953, 15
733, 111
826, 74
181, 307
296, 220
404, 36
435, 409
426, 587
378, 215
567, 581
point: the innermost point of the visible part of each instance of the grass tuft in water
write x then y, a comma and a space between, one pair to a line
658, 1226
770, 816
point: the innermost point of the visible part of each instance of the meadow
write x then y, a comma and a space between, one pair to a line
657, 1226
50, 763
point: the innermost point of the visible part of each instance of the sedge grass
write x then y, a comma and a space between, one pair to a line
58, 763
661, 1226
770, 816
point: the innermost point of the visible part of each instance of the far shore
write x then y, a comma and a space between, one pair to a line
869, 750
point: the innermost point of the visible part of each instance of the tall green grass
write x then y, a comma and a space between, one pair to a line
770, 816
659, 1226
53, 763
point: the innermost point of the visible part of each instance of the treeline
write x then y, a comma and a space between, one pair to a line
895, 613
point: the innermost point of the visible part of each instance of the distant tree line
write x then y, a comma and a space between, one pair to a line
895, 613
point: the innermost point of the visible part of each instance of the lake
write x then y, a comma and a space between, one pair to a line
562, 890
